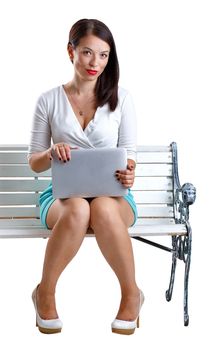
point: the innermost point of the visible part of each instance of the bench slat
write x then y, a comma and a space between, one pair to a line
158, 230
23, 185
153, 170
4, 223
154, 157
13, 147
140, 148
155, 211
141, 183
21, 223
19, 212
20, 171
143, 211
13, 158
153, 183
153, 197
19, 199
153, 148
23, 170
142, 157
147, 230
141, 197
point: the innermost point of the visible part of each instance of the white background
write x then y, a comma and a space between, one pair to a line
168, 58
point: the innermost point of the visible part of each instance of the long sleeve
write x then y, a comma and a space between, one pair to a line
40, 137
128, 127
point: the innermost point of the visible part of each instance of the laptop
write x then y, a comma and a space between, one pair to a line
89, 173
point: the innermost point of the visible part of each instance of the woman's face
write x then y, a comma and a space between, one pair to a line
90, 57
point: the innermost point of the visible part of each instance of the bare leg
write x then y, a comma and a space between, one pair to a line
69, 220
110, 218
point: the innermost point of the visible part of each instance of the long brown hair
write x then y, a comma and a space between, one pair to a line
106, 89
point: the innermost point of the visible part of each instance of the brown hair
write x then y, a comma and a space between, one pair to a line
106, 89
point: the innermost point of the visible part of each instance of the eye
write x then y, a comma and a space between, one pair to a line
104, 55
87, 53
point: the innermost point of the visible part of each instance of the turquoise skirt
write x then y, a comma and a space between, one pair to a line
46, 199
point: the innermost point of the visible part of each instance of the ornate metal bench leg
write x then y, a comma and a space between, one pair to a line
187, 260
173, 269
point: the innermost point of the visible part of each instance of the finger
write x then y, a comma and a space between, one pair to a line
125, 172
68, 152
56, 150
125, 177
62, 150
50, 156
127, 183
130, 166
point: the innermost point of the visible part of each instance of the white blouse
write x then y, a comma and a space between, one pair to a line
55, 120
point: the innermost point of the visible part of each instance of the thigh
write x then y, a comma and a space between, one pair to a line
61, 206
126, 211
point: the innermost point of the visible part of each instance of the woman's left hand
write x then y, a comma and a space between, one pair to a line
126, 177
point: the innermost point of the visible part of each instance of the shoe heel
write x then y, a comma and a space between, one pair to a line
138, 322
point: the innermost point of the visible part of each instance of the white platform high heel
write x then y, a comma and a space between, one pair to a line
127, 327
46, 326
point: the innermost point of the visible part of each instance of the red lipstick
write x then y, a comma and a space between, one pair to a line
91, 71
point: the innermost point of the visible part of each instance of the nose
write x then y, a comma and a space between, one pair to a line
93, 62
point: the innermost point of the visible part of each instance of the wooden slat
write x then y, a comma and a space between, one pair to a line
147, 230
141, 170
23, 185
154, 157
13, 147
155, 211
158, 230
140, 148
21, 170
32, 198
153, 197
155, 183
30, 184
19, 212
148, 156
19, 199
141, 197
13, 158
153, 148
153, 170
154, 221
143, 211
36, 223
25, 232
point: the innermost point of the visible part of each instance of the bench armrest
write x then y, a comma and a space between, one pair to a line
184, 195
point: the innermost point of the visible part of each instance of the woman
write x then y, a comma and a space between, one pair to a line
89, 111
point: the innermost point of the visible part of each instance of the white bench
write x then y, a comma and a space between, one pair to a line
163, 205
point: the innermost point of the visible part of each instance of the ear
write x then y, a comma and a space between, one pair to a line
70, 50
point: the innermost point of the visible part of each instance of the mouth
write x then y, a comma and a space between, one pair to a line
91, 71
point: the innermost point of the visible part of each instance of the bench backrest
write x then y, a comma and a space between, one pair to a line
153, 188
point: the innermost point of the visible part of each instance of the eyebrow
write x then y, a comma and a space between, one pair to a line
88, 48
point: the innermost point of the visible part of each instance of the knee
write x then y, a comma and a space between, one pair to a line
103, 213
76, 213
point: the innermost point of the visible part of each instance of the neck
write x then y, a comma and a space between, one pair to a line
82, 87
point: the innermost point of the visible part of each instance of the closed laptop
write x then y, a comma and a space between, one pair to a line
89, 173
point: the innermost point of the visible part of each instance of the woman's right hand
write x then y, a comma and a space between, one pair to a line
62, 151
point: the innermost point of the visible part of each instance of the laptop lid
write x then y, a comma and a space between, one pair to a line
89, 173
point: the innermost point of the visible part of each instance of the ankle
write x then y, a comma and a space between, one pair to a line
44, 290
130, 292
